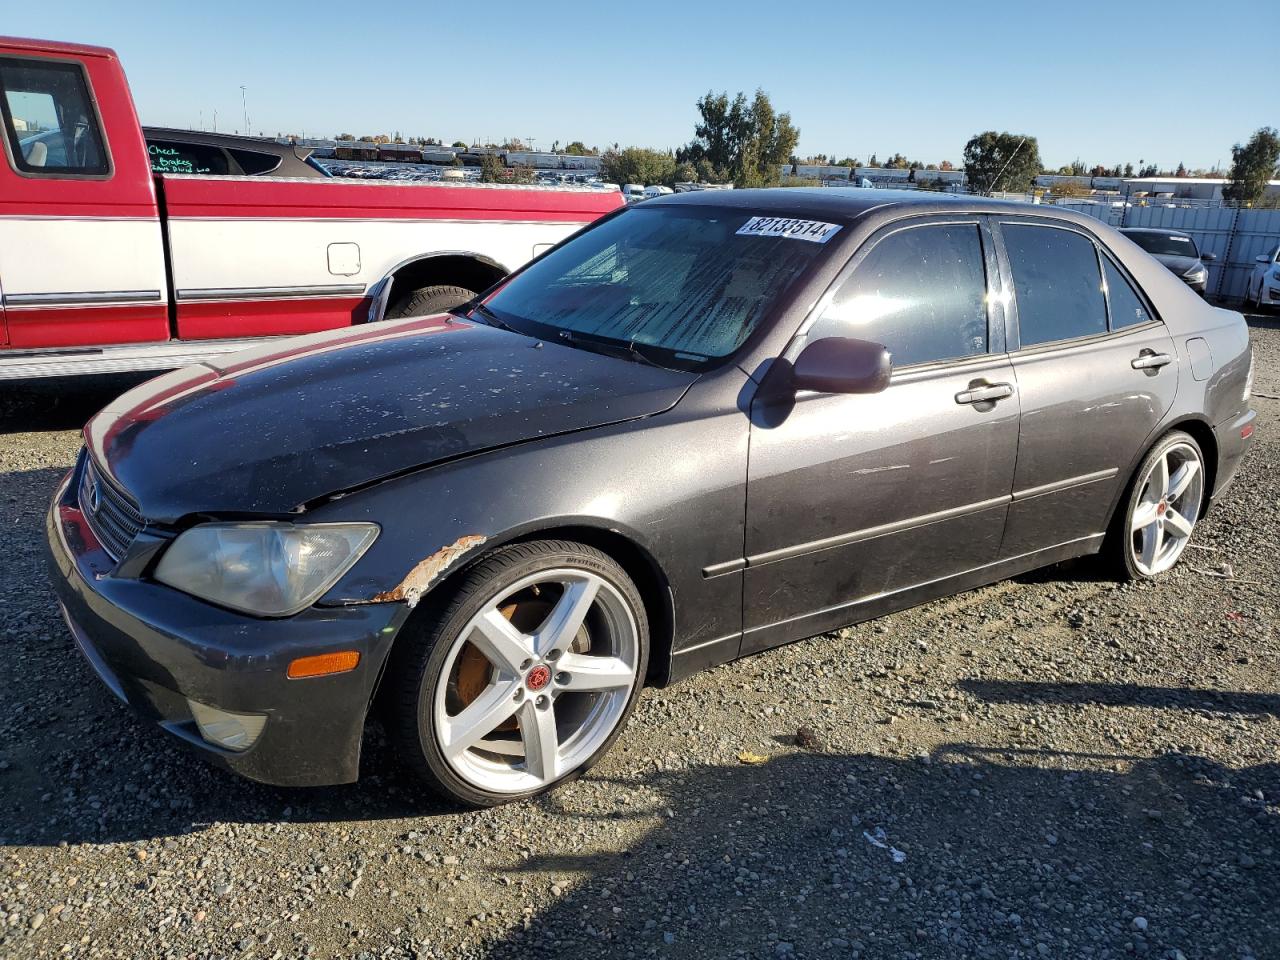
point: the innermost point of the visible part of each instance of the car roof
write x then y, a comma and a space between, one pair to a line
1163, 231
850, 203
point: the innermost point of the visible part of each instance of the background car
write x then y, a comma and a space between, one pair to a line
221, 154
501, 525
1175, 250
1263, 287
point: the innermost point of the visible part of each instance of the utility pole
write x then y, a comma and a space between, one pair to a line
244, 102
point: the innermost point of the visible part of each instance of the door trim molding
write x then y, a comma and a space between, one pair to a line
1066, 484
80, 298
870, 533
271, 293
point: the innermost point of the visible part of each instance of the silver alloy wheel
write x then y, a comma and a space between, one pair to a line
565, 683
1167, 509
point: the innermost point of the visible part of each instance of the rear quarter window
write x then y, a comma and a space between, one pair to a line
1127, 308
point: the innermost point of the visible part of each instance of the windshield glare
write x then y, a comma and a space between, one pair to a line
680, 283
1165, 244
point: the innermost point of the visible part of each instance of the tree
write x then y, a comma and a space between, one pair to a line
460, 144
492, 170
579, 149
1001, 161
946, 165
638, 165
848, 162
743, 142
1252, 165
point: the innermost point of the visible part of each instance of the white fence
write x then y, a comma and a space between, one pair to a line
1235, 236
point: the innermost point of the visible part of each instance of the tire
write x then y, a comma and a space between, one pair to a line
429, 300
1145, 542
492, 699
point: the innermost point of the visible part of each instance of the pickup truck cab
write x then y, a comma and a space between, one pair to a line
107, 266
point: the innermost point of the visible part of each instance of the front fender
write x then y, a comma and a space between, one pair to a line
672, 486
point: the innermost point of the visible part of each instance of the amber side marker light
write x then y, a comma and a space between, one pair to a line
324, 664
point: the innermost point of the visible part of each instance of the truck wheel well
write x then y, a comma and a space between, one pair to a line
470, 271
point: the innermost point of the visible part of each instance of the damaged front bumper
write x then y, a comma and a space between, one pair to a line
202, 672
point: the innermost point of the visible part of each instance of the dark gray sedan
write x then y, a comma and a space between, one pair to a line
1176, 251
703, 427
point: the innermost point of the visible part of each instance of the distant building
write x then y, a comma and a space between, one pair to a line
1186, 188
355, 150
402, 152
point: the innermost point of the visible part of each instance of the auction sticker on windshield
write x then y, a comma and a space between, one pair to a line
815, 231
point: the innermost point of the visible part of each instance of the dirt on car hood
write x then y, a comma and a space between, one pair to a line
269, 431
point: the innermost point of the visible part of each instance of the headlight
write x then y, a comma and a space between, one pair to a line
1197, 272
267, 569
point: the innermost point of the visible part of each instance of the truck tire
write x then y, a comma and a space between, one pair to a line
429, 300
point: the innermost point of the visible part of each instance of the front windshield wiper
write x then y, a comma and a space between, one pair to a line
626, 350
491, 318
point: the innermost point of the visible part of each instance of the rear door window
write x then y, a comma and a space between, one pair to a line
50, 123
1057, 283
920, 291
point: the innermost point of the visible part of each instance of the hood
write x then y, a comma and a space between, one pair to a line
1178, 265
267, 431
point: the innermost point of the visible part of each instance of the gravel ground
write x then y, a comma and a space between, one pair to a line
1055, 766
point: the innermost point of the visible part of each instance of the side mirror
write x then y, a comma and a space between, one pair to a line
1263, 259
842, 365
1208, 257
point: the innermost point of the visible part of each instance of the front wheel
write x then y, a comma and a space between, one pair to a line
1163, 506
524, 677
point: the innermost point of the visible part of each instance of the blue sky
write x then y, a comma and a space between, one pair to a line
1175, 82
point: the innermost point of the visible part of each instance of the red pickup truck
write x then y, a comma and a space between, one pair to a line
107, 267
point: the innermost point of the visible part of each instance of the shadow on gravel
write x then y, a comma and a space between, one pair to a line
60, 403
1000, 852
1123, 695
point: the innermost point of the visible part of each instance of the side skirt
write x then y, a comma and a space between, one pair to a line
123, 358
690, 660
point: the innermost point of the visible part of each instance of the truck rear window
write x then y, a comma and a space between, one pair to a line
50, 123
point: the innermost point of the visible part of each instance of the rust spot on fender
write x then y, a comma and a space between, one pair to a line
419, 580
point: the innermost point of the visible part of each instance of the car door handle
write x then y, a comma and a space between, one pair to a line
1151, 361
981, 394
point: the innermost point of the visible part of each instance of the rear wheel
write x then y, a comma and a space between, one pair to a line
429, 300
1163, 506
526, 675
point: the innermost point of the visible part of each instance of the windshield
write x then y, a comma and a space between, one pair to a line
1165, 244
682, 286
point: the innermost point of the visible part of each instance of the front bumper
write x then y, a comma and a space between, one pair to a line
156, 647
1199, 284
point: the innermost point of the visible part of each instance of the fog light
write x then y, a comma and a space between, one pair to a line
231, 731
